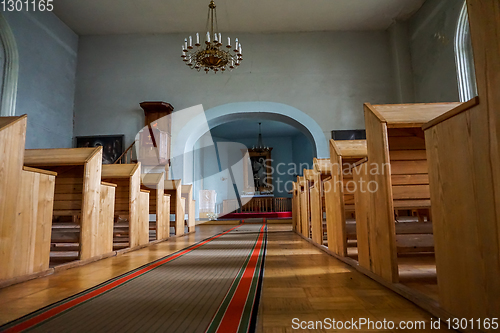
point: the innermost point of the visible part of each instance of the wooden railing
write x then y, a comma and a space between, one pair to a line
257, 205
127, 156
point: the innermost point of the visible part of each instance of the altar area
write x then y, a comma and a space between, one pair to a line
257, 204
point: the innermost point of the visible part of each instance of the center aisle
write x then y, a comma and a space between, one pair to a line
212, 285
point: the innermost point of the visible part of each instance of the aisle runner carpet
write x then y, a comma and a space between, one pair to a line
211, 286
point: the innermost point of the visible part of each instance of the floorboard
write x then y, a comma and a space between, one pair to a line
301, 281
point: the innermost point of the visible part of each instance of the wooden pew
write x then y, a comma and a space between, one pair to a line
165, 230
340, 191
106, 217
26, 202
364, 236
315, 222
155, 182
143, 227
396, 148
410, 237
174, 188
463, 153
65, 240
323, 174
127, 211
304, 206
295, 208
77, 196
190, 204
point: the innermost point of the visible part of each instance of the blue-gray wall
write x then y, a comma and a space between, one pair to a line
47, 70
302, 154
432, 32
327, 75
291, 153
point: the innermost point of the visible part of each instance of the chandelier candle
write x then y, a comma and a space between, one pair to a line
211, 55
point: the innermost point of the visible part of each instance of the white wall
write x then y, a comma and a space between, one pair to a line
328, 75
47, 73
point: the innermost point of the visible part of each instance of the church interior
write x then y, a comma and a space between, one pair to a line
342, 172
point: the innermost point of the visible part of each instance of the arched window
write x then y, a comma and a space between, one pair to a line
9, 68
2, 69
465, 58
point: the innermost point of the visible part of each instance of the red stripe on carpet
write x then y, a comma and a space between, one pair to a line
65, 306
269, 215
232, 317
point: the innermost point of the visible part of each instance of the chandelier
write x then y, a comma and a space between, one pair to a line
212, 55
260, 146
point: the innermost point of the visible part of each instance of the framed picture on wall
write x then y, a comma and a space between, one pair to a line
112, 145
258, 178
349, 135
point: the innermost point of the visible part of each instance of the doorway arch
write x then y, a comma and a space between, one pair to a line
195, 128
10, 69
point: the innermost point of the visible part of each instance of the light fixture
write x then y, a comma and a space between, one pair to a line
260, 145
212, 55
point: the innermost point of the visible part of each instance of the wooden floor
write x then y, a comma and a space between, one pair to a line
419, 272
416, 271
300, 281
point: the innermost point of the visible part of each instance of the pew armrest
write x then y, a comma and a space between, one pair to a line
45, 172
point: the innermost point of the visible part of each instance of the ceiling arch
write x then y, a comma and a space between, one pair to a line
184, 138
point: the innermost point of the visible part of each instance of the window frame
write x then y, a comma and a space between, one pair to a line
464, 58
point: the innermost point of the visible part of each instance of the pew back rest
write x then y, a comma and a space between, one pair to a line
143, 227
12, 141
77, 169
322, 165
410, 115
310, 178
60, 156
173, 187
127, 177
106, 213
343, 155
25, 247
155, 183
409, 171
187, 193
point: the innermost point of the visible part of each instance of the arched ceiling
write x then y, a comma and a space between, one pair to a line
249, 128
98, 17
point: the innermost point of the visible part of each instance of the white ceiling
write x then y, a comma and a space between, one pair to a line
250, 129
98, 17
